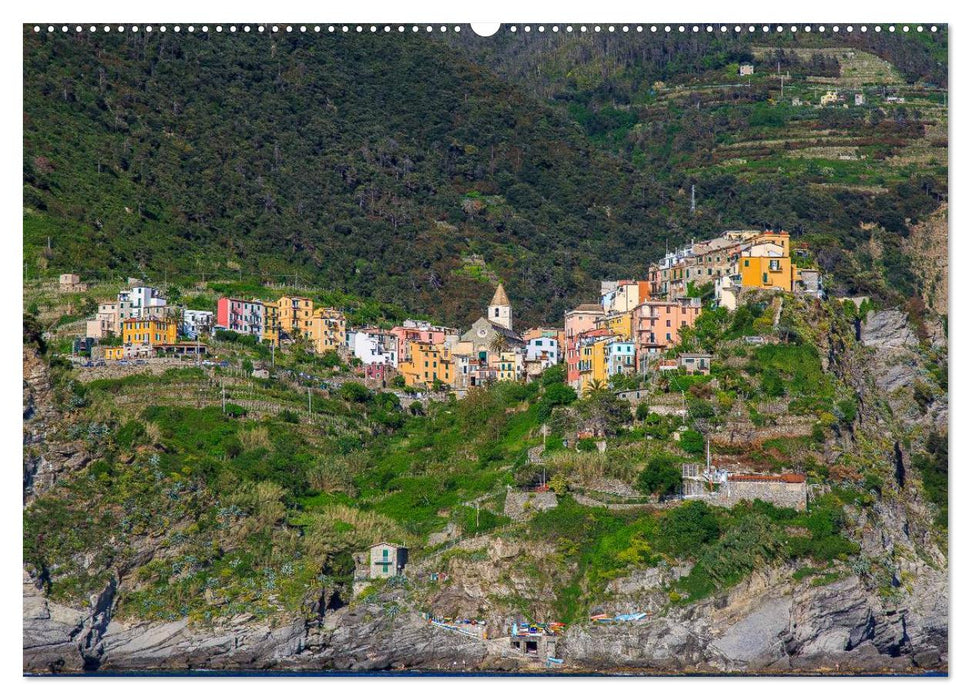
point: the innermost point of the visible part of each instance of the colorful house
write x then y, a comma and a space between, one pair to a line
296, 314
240, 315
766, 264
621, 357
509, 366
620, 324
149, 331
374, 346
387, 560
544, 350
425, 364
328, 330
623, 295
196, 322
657, 326
271, 322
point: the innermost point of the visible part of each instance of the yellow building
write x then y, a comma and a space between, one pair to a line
149, 331
620, 324
766, 264
296, 314
508, 367
328, 330
116, 352
593, 362
271, 322
425, 364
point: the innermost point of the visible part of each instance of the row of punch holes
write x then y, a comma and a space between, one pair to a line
358, 28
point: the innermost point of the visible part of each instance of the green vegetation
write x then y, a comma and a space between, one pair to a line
347, 199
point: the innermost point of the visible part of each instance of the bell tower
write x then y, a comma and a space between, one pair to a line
500, 311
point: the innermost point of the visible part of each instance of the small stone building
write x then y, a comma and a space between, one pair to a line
387, 560
695, 362
782, 490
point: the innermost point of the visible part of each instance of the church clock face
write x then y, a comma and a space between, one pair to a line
482, 332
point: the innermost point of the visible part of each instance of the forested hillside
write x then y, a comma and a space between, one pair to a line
417, 171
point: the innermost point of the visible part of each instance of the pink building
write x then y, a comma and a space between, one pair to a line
657, 326
575, 323
419, 332
240, 315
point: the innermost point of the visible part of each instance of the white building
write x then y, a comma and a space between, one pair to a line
196, 322
373, 346
543, 350
143, 301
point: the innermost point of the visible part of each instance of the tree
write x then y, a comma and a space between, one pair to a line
499, 344
661, 476
559, 395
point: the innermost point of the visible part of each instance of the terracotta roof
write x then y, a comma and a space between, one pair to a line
500, 298
589, 307
786, 478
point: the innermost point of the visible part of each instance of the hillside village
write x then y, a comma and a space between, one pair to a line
713, 464
629, 331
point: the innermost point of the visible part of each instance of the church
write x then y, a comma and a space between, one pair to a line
498, 320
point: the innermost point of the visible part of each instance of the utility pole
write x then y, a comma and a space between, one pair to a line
310, 408
692, 199
222, 383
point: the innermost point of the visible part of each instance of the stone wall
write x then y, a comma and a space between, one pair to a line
780, 493
520, 505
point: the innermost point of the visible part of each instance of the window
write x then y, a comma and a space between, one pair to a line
746, 263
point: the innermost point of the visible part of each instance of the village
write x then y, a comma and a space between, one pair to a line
629, 331
632, 331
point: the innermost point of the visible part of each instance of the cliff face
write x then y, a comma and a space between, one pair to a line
771, 624
768, 624
47, 452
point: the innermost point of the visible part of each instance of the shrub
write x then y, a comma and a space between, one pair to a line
235, 410
587, 445
692, 442
288, 416
661, 476
688, 527
354, 392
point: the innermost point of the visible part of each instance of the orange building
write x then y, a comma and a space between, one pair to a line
149, 331
766, 264
296, 314
426, 363
328, 330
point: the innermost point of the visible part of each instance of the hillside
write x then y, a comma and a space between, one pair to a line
173, 513
394, 168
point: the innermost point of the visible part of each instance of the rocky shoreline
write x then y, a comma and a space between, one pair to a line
768, 625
